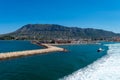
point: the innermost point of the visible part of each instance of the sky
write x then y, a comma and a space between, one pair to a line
100, 14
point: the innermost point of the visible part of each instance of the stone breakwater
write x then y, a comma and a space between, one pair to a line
48, 48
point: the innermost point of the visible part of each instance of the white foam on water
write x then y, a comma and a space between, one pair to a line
106, 68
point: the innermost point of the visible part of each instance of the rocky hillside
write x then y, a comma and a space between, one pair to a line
52, 31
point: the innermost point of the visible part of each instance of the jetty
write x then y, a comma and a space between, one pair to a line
48, 48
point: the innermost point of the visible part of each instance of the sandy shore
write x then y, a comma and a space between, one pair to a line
48, 48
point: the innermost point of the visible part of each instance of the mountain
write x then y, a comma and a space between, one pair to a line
53, 31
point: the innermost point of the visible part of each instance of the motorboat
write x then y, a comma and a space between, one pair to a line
100, 50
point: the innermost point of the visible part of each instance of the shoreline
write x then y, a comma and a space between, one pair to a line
70, 44
73, 44
17, 54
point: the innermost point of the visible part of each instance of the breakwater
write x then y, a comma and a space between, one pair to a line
48, 48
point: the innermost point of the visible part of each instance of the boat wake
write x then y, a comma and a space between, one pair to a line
106, 68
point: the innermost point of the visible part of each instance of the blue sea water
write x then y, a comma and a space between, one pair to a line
105, 68
11, 46
77, 64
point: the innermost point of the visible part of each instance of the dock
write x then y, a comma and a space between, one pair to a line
48, 48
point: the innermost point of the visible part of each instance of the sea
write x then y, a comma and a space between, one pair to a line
81, 62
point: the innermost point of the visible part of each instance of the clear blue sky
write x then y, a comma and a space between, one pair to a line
101, 14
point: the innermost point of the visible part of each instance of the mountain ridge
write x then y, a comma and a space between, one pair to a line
55, 31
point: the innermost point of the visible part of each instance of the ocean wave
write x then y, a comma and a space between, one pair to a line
106, 68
